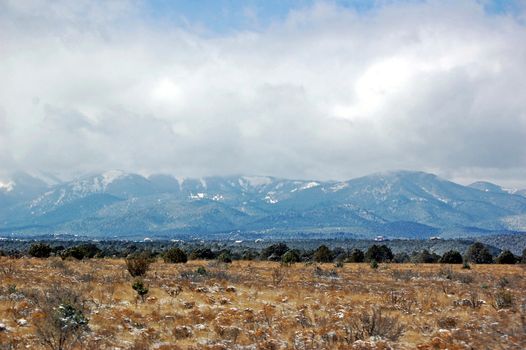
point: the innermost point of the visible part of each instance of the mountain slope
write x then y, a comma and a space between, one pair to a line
395, 204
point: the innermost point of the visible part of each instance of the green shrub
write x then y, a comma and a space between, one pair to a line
373, 324
82, 251
425, 257
40, 250
401, 258
138, 264
175, 256
63, 324
374, 264
71, 317
202, 254
451, 257
140, 288
73, 252
339, 254
479, 254
323, 254
503, 282
506, 257
249, 255
356, 256
225, 257
379, 253
503, 299
290, 257
276, 250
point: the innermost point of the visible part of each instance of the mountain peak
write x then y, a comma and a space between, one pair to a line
111, 175
397, 175
486, 186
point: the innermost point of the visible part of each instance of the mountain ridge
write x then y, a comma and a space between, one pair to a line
398, 204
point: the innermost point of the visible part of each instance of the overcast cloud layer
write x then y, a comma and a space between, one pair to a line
326, 93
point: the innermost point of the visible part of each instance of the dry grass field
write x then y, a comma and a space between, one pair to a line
261, 305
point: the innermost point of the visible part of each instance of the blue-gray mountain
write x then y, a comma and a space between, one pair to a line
395, 204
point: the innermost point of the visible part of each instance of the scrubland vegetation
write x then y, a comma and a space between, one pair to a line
299, 301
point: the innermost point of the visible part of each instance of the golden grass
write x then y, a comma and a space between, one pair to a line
261, 305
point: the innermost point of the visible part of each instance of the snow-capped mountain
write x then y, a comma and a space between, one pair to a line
396, 204
490, 187
20, 187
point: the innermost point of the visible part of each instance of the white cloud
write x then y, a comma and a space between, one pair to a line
328, 93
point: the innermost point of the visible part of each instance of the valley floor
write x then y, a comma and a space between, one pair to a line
263, 305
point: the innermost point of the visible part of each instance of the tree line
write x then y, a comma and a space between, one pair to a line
477, 253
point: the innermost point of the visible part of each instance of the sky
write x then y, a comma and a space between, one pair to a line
296, 89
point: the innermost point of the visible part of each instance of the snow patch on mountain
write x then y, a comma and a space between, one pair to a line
217, 197
87, 186
510, 190
305, 186
308, 185
436, 196
61, 197
338, 187
379, 192
270, 198
202, 195
110, 176
197, 196
95, 184
78, 188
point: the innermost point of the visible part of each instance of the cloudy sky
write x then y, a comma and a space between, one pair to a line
299, 89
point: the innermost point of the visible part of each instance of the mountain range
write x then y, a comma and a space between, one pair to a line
116, 204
